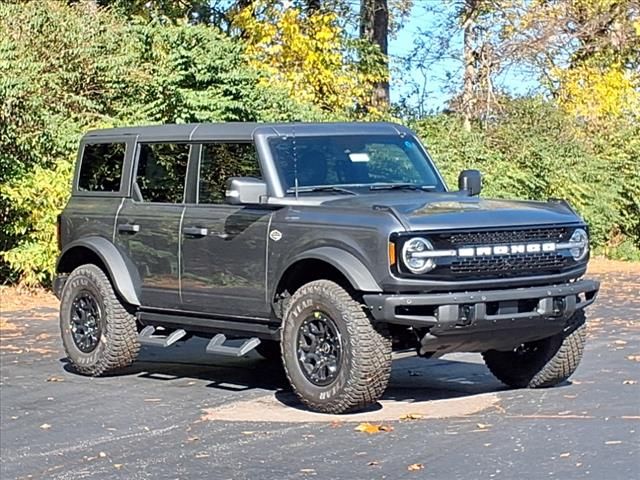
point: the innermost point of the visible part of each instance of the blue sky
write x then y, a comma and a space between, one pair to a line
443, 76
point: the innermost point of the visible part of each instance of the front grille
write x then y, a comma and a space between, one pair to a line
518, 264
468, 239
499, 266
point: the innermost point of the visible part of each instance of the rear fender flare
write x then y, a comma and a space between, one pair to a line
123, 274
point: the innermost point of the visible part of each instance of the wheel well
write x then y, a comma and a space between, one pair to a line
77, 256
303, 272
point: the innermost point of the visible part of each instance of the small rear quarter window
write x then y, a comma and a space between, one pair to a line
101, 167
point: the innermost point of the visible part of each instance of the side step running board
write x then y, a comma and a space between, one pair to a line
217, 346
147, 337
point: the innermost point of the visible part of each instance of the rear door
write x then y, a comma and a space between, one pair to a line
148, 225
224, 246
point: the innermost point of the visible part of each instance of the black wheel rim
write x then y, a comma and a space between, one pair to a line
85, 321
319, 349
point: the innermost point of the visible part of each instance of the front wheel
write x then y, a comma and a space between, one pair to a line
334, 358
543, 363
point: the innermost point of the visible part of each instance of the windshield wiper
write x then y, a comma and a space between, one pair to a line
401, 186
324, 188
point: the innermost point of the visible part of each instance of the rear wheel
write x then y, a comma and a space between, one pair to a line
543, 363
98, 333
334, 358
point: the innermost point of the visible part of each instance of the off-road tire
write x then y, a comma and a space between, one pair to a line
270, 349
118, 343
552, 361
365, 365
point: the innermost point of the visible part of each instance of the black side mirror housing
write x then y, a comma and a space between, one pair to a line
470, 181
245, 191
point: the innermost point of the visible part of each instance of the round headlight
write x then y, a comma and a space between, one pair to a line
411, 257
579, 244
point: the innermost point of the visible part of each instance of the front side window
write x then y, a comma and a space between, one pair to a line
101, 167
219, 162
161, 172
352, 160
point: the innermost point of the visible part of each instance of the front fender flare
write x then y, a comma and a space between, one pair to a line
351, 267
124, 277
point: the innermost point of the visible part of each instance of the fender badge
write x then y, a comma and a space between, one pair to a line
275, 235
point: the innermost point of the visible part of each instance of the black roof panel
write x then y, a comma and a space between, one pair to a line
242, 131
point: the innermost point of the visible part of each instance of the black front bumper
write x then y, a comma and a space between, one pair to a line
483, 310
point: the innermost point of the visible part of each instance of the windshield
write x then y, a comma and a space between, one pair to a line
354, 161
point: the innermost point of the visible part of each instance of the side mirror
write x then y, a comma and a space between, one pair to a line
245, 191
470, 181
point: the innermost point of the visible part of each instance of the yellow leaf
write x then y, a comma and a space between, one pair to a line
373, 428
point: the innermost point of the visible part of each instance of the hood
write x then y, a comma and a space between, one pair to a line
443, 211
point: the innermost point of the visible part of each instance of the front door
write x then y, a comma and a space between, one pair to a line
224, 246
148, 225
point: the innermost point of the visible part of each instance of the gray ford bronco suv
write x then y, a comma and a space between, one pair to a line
325, 245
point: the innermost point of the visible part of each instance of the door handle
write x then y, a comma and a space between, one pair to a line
195, 231
128, 228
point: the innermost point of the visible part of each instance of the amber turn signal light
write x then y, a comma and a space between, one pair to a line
392, 253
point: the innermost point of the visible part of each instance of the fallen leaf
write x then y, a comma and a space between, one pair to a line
415, 467
633, 358
412, 416
620, 342
372, 428
193, 439
373, 463
45, 426
629, 382
564, 455
482, 426
55, 379
118, 466
307, 470
336, 424
102, 455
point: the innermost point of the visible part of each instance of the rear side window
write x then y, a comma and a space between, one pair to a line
161, 172
101, 167
218, 162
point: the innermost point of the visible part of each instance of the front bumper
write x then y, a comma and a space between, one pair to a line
483, 310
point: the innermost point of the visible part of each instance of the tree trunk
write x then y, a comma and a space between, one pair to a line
374, 27
468, 26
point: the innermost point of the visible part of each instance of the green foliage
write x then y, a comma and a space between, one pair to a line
534, 151
39, 197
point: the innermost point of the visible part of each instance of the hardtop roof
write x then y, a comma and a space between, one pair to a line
242, 131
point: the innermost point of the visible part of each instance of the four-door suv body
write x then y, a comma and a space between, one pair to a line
328, 245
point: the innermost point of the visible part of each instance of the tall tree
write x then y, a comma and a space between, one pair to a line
374, 28
469, 17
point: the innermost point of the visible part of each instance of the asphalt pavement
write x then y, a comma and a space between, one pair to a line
178, 413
